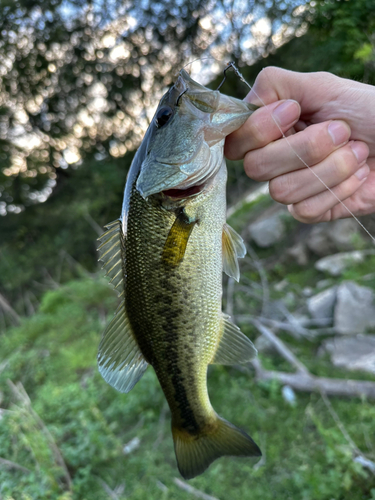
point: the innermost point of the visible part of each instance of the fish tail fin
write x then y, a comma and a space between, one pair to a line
194, 453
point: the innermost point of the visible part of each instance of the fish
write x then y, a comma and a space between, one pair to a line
165, 256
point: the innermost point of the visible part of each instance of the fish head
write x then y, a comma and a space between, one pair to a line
183, 147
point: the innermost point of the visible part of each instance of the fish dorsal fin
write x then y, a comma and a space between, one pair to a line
233, 249
120, 360
176, 242
110, 253
233, 346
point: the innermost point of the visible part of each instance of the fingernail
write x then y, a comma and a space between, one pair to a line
360, 151
286, 113
363, 172
339, 132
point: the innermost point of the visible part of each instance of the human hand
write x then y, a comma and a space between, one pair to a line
330, 123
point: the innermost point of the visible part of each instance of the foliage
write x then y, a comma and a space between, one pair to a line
79, 78
65, 92
37, 248
73, 412
335, 36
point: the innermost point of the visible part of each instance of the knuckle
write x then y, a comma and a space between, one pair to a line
255, 168
269, 73
306, 210
258, 132
280, 189
312, 147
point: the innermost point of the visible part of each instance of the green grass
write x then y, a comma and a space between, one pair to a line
53, 354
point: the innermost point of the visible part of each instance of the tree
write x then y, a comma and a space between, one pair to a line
80, 78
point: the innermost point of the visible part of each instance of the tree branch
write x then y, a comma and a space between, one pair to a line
281, 347
13, 465
189, 489
306, 382
7, 308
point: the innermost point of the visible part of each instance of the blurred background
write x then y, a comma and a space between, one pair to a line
79, 83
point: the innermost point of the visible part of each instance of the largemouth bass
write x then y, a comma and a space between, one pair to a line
165, 256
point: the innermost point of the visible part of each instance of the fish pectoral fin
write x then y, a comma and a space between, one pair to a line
110, 253
176, 242
233, 249
120, 360
233, 346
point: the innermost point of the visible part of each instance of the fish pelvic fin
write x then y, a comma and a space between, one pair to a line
194, 453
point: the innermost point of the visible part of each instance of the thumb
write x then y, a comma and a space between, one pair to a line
311, 90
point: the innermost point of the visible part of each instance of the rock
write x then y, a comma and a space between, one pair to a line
341, 233
264, 345
325, 283
321, 306
352, 353
299, 253
289, 395
337, 263
318, 240
354, 310
307, 291
269, 231
281, 285
330, 237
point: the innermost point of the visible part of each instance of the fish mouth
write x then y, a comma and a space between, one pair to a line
184, 193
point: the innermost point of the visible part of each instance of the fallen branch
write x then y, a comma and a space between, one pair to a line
189, 489
303, 380
95, 226
160, 436
113, 494
306, 382
263, 277
281, 347
21, 395
7, 308
287, 327
13, 465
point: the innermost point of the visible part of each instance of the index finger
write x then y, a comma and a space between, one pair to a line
265, 125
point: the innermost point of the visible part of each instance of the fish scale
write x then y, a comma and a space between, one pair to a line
174, 244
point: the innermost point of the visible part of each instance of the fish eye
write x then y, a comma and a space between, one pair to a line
163, 116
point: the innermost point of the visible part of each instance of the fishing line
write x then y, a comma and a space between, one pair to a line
231, 65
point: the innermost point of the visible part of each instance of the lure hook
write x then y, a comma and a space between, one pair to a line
182, 93
231, 65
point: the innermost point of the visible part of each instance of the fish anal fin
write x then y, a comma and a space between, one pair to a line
195, 453
120, 360
176, 242
111, 254
233, 346
233, 249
